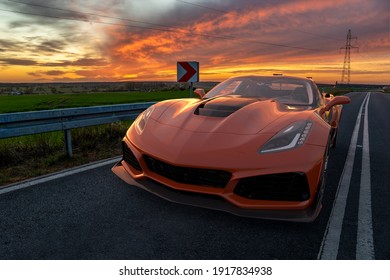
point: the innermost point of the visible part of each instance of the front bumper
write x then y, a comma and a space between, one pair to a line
217, 202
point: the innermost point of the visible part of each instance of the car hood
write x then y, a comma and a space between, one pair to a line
179, 133
232, 115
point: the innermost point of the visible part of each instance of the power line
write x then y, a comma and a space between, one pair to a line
158, 28
148, 28
91, 14
204, 7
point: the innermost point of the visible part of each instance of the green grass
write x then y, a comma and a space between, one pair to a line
344, 90
21, 103
33, 155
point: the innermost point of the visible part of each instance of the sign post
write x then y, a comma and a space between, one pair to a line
188, 71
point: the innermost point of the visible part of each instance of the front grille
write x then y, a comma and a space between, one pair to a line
187, 175
130, 158
281, 187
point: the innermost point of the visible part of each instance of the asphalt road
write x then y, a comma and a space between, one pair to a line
94, 215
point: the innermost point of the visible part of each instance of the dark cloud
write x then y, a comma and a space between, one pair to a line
61, 22
9, 45
62, 63
44, 12
78, 62
55, 73
34, 74
16, 61
89, 62
52, 46
32, 47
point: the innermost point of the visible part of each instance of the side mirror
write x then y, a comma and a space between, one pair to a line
338, 100
200, 92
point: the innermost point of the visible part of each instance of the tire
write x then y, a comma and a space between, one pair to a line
322, 181
334, 138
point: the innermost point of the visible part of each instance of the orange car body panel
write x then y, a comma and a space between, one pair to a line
180, 138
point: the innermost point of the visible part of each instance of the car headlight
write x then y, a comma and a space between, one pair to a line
291, 137
143, 119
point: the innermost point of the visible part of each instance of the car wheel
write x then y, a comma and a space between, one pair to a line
322, 181
334, 142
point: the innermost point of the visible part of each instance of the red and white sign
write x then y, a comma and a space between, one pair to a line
188, 71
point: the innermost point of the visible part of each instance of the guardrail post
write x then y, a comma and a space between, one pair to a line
68, 143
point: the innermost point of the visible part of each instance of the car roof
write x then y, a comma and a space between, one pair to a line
273, 77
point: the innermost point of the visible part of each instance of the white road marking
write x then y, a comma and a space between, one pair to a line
57, 175
365, 240
330, 243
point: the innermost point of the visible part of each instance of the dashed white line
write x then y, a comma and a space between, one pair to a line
365, 242
330, 243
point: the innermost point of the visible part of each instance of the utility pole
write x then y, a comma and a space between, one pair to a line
346, 75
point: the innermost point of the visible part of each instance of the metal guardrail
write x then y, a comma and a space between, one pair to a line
27, 123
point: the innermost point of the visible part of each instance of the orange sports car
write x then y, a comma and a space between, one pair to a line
254, 146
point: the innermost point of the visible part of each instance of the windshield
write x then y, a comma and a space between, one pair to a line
286, 90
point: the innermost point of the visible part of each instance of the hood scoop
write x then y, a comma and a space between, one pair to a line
223, 106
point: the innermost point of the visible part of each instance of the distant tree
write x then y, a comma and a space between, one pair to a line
29, 90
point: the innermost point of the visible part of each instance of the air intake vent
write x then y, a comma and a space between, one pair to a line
223, 106
187, 175
282, 187
130, 158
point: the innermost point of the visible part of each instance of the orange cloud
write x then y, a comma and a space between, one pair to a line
293, 37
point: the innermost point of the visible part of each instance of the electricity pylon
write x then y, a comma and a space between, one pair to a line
346, 76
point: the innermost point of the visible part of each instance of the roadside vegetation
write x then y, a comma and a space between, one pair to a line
34, 102
34, 155
345, 89
339, 91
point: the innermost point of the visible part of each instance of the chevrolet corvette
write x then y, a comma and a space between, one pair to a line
253, 146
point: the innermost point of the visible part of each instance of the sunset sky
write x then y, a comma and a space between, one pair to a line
123, 40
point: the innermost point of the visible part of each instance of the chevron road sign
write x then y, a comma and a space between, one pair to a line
188, 71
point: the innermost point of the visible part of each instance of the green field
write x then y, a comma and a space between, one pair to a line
33, 155
33, 102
